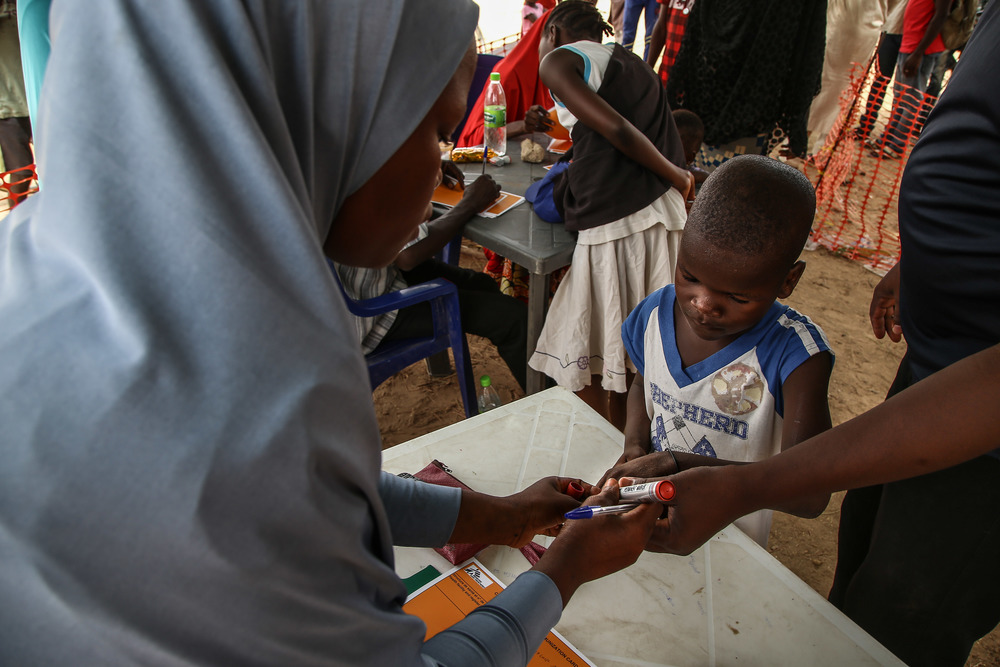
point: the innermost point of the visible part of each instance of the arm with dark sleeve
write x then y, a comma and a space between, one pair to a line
937, 423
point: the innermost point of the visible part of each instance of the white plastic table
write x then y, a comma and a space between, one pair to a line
729, 603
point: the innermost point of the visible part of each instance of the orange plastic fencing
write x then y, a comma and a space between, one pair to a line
499, 47
16, 185
857, 172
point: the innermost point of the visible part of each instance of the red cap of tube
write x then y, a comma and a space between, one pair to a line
664, 491
575, 490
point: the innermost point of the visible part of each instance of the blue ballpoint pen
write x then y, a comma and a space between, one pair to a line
587, 511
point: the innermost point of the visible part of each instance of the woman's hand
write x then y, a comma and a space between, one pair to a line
589, 549
514, 520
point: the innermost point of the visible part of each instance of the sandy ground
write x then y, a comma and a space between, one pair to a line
834, 292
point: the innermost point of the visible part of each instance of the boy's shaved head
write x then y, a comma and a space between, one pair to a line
755, 206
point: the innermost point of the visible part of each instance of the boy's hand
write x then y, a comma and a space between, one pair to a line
912, 64
481, 193
884, 308
452, 177
657, 464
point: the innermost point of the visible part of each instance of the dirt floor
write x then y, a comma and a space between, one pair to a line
834, 292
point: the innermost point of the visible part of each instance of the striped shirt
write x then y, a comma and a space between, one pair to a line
364, 283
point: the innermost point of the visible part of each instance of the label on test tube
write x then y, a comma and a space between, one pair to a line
659, 492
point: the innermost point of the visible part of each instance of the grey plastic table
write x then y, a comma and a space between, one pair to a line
524, 238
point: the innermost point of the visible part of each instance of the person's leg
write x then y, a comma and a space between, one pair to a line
595, 396
650, 13
929, 586
503, 320
904, 107
929, 68
857, 515
485, 312
15, 143
888, 52
945, 62
630, 22
857, 522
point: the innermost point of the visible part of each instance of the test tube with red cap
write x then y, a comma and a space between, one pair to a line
658, 492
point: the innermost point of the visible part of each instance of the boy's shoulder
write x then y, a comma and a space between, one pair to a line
785, 332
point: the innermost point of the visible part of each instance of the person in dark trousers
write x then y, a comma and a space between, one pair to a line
485, 311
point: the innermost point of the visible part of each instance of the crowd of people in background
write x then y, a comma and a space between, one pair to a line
191, 459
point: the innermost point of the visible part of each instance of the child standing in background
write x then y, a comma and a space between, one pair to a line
725, 373
692, 132
531, 11
623, 192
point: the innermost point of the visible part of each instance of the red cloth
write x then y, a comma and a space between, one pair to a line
915, 19
676, 23
521, 85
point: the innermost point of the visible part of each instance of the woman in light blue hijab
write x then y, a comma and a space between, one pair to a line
189, 459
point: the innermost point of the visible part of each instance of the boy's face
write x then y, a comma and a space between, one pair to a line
722, 294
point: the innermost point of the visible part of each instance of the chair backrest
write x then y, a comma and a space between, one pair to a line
484, 65
390, 357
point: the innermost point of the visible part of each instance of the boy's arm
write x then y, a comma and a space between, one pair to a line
478, 196
807, 413
637, 422
562, 71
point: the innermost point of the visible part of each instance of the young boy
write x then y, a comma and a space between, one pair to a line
725, 373
692, 132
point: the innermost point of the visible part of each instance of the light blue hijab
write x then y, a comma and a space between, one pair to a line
188, 451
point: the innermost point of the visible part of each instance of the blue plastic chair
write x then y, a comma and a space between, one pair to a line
392, 356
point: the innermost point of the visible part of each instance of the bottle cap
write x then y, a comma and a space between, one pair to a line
485, 381
494, 76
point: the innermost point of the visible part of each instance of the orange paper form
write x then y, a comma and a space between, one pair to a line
560, 146
444, 196
448, 599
